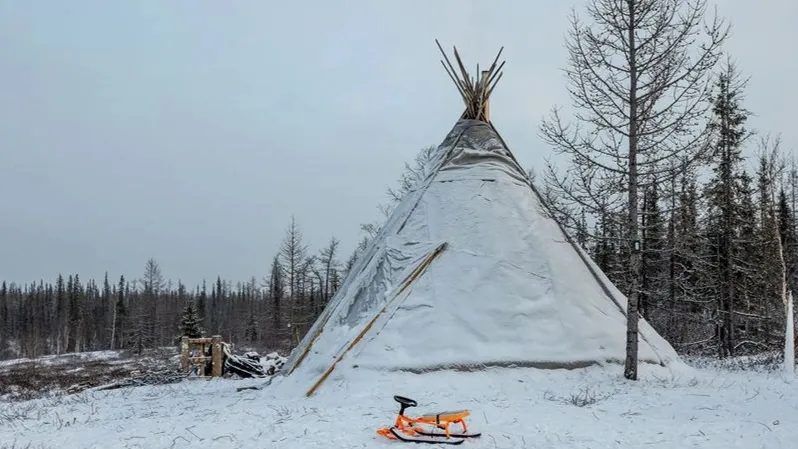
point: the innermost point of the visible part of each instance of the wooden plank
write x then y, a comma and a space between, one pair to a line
184, 354
483, 97
216, 356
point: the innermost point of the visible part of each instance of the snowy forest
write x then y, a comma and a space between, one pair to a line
73, 315
713, 210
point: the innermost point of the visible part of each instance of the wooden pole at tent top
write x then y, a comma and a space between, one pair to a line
486, 106
474, 92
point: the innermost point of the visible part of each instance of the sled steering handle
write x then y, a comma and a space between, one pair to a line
404, 403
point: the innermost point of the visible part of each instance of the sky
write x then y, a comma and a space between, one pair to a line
192, 131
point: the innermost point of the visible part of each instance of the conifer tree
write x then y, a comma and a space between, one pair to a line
276, 295
685, 264
654, 263
773, 270
789, 237
105, 312
724, 200
750, 262
202, 301
251, 333
189, 322
75, 313
120, 314
3, 315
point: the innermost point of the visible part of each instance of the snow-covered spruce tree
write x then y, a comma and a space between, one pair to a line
277, 296
190, 321
725, 196
119, 318
639, 77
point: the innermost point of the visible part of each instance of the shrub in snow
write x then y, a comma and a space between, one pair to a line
766, 362
582, 398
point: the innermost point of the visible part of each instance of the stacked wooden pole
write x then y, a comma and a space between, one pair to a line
474, 91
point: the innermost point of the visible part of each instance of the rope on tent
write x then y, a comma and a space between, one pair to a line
418, 271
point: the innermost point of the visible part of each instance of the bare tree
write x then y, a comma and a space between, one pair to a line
640, 79
328, 259
774, 164
293, 253
412, 174
146, 325
408, 180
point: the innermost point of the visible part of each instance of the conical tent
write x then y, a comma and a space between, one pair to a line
470, 271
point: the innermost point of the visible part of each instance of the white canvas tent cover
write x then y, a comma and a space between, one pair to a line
505, 288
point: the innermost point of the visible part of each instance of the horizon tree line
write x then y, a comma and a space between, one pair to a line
73, 315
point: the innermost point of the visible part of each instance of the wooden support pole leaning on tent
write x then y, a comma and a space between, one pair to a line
418, 271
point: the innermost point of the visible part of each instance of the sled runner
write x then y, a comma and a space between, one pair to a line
428, 428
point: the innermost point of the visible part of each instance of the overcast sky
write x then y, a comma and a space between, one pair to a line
191, 131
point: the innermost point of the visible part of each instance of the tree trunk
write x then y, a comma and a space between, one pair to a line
113, 326
789, 338
630, 368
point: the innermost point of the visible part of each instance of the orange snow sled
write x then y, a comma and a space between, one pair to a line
432, 428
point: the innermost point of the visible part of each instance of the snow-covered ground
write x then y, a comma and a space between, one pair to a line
63, 359
50, 375
514, 408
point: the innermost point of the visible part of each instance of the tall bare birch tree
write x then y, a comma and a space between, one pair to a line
773, 164
639, 77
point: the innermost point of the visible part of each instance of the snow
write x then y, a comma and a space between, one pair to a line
514, 408
272, 362
508, 289
62, 359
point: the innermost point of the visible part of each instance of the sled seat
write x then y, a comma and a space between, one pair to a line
451, 416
